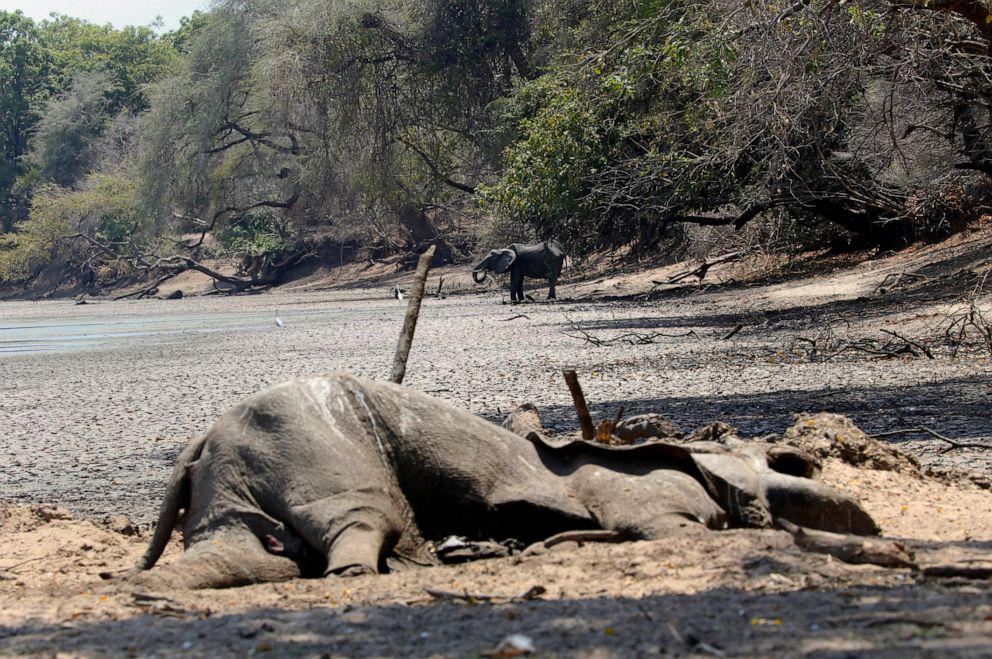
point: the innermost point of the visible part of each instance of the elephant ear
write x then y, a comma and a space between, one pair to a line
505, 260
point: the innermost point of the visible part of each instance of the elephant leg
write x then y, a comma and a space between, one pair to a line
517, 286
356, 550
227, 559
354, 529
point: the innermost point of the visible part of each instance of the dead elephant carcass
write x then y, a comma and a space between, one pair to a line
339, 475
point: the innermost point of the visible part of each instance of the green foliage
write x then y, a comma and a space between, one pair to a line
544, 181
182, 38
40, 239
105, 209
61, 80
596, 122
67, 135
582, 136
254, 234
131, 57
23, 67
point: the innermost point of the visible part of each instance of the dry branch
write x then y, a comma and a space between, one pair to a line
954, 444
701, 270
737, 328
970, 319
581, 409
147, 290
531, 593
628, 338
897, 279
412, 313
916, 344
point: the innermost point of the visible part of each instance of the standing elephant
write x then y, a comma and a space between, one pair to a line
337, 475
537, 260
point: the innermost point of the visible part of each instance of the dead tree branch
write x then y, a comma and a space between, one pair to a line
737, 328
151, 289
954, 444
581, 409
412, 314
701, 270
627, 338
925, 350
895, 280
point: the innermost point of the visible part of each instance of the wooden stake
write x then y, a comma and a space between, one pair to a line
412, 313
581, 410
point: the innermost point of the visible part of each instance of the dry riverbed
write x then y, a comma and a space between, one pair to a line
94, 423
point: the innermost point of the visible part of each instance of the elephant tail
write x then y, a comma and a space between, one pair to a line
177, 493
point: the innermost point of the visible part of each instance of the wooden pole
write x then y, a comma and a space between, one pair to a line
412, 313
581, 410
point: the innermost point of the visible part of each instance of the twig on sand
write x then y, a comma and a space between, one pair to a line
438, 294
412, 313
954, 444
531, 593
519, 315
731, 333
629, 338
8, 568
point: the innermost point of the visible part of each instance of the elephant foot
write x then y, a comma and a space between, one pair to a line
221, 561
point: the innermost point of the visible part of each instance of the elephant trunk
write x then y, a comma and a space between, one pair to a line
479, 276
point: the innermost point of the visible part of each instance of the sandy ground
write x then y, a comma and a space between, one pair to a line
96, 430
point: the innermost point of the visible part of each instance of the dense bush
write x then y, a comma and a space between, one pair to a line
269, 124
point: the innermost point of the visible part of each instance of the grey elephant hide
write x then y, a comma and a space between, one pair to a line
542, 260
339, 475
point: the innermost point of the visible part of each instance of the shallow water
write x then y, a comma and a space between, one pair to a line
59, 335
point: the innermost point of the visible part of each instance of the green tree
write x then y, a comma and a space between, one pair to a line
131, 57
66, 139
23, 67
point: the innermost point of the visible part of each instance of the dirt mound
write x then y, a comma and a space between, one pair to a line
46, 549
826, 435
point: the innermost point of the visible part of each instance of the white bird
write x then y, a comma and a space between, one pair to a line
279, 322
